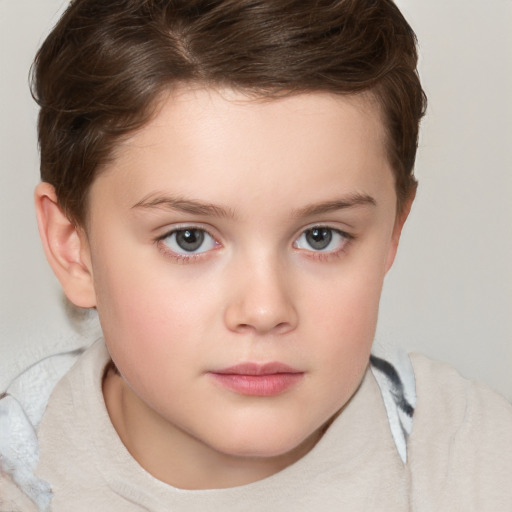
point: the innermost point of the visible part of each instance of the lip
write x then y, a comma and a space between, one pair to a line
255, 379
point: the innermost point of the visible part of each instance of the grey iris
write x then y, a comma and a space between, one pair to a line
189, 239
319, 238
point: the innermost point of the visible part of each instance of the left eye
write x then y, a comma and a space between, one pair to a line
189, 241
321, 239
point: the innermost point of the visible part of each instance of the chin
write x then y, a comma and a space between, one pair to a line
267, 444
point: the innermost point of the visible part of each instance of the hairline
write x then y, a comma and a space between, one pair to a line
370, 100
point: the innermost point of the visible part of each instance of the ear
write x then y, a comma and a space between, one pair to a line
66, 248
397, 230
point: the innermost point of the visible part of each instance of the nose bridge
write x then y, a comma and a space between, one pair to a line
261, 298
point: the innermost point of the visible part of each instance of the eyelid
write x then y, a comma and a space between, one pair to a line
169, 228
326, 225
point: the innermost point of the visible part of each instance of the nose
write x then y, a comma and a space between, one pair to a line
261, 301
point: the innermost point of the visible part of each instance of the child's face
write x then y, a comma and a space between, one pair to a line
230, 232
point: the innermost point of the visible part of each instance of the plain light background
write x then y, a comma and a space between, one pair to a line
449, 294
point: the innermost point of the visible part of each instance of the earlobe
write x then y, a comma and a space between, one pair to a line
66, 248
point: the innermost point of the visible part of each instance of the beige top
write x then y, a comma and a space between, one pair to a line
459, 454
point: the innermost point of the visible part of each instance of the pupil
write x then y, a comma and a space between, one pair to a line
189, 239
319, 238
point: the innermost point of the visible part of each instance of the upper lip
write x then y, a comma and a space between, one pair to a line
257, 369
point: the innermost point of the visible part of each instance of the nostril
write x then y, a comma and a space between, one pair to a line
263, 327
283, 326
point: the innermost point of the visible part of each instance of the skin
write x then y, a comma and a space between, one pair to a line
256, 175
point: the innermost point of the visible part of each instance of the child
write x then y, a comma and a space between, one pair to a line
226, 183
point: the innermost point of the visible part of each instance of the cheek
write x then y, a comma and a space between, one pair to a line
344, 319
147, 316
348, 301
348, 334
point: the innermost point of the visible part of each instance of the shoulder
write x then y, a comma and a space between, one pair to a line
461, 442
446, 400
32, 387
22, 406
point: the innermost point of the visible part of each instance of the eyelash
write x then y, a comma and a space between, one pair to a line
319, 255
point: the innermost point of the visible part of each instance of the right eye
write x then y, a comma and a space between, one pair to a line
189, 241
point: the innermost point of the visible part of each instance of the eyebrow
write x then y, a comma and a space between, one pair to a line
209, 209
183, 205
350, 201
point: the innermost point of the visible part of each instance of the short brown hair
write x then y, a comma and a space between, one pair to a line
98, 74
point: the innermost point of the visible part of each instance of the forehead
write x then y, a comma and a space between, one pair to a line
197, 112
225, 143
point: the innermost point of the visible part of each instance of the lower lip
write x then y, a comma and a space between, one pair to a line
258, 385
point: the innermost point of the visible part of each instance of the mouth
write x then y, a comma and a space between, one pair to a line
255, 379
